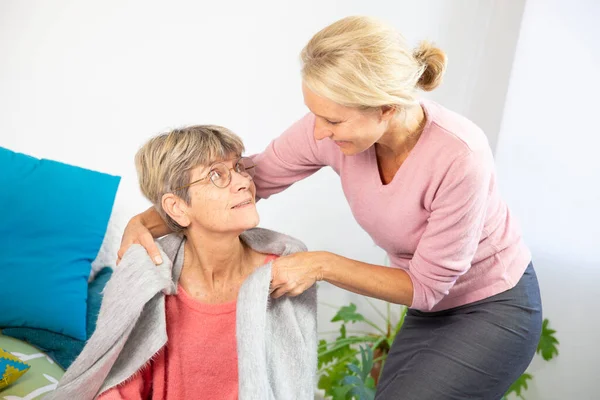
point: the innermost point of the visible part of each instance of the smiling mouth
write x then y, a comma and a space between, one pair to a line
242, 204
341, 142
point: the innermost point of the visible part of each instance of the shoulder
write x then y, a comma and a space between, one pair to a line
171, 244
455, 132
272, 242
454, 143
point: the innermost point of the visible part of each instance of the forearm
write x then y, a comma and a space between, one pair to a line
389, 284
152, 220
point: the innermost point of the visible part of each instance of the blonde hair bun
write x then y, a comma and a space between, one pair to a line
434, 62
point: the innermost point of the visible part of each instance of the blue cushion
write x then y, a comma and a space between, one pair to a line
65, 349
54, 217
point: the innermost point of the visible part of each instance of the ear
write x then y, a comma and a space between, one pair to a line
176, 208
387, 112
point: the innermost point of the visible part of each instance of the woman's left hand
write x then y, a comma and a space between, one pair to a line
293, 274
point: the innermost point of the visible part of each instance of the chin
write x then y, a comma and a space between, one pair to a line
250, 221
351, 150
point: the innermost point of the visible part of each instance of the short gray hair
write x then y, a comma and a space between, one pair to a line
165, 162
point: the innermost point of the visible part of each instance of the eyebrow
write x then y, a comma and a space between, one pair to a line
327, 118
330, 119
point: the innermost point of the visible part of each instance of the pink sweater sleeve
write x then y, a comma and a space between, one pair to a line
453, 231
289, 158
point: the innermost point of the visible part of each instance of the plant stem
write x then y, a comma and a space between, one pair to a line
369, 322
379, 341
376, 310
402, 316
355, 339
379, 359
384, 359
329, 305
345, 342
348, 331
389, 313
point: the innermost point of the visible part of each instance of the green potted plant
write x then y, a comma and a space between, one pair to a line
350, 365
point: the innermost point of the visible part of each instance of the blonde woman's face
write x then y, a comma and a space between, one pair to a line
351, 129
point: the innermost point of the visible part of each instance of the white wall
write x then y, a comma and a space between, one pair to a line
549, 171
88, 82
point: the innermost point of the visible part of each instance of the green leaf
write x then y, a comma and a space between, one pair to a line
335, 356
325, 359
335, 351
361, 384
348, 314
519, 386
352, 380
340, 392
366, 357
343, 343
355, 368
326, 382
331, 380
548, 344
363, 393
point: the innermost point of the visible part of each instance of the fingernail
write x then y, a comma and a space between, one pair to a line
157, 260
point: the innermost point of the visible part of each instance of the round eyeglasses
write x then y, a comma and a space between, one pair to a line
220, 173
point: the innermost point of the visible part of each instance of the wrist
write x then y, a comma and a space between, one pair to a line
325, 267
140, 219
136, 220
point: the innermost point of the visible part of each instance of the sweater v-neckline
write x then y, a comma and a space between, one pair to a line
405, 164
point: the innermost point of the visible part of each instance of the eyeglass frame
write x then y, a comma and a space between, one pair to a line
228, 172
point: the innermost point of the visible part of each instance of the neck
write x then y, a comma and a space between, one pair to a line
217, 258
403, 133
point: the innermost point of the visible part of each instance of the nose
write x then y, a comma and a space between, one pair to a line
240, 182
321, 132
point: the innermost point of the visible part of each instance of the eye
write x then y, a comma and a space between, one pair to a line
331, 122
216, 174
239, 167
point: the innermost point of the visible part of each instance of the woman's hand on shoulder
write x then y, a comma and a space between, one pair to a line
293, 274
137, 233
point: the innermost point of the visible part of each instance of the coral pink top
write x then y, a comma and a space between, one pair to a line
199, 360
441, 218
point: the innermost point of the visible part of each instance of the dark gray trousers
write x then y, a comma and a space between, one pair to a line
475, 351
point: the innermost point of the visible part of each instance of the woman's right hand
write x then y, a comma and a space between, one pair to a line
137, 233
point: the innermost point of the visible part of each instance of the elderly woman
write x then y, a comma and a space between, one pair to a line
215, 334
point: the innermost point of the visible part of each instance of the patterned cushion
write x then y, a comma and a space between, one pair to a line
42, 377
11, 368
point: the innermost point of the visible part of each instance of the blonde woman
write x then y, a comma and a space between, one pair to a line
420, 180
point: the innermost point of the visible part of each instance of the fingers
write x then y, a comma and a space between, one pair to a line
147, 241
122, 250
291, 290
286, 280
296, 292
278, 292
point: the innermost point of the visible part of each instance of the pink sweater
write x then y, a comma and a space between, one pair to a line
441, 218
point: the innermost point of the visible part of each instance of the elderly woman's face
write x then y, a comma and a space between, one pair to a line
222, 209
